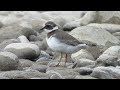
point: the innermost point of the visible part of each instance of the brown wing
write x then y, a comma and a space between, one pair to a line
66, 38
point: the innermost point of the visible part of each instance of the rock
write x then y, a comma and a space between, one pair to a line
89, 17
24, 74
83, 62
82, 54
108, 17
109, 57
71, 25
1, 25
95, 35
8, 61
26, 63
44, 54
3, 77
106, 72
84, 77
61, 72
34, 38
23, 50
83, 70
43, 61
40, 68
41, 44
53, 63
7, 42
62, 20
23, 39
14, 31
112, 28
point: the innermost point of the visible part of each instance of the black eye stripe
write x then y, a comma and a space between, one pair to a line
49, 27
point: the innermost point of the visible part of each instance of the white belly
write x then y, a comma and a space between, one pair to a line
55, 45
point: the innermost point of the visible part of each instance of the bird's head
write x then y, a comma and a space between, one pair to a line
49, 27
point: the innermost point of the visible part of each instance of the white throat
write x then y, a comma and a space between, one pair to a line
46, 30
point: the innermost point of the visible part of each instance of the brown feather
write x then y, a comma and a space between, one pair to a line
64, 37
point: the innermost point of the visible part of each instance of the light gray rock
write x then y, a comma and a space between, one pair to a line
3, 77
38, 67
54, 62
24, 74
26, 62
43, 61
83, 70
14, 31
106, 72
92, 34
62, 73
89, 17
1, 25
82, 54
24, 50
71, 25
112, 28
83, 62
110, 57
108, 17
41, 44
23, 39
84, 77
7, 42
8, 61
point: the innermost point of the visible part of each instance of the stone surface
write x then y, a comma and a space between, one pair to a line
83, 70
14, 31
82, 54
98, 36
110, 57
84, 77
7, 42
83, 62
62, 72
8, 61
26, 62
54, 62
71, 25
24, 75
24, 50
40, 68
43, 61
112, 28
106, 72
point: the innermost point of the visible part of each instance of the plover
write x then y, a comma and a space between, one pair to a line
60, 41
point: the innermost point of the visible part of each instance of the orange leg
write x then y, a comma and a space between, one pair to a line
65, 59
61, 55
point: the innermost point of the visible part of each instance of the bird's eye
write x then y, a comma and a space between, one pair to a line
49, 27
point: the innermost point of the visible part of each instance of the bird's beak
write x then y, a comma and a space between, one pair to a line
42, 28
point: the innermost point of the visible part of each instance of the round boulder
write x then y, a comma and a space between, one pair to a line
8, 61
24, 50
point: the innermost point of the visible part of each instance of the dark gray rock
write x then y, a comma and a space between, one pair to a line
83, 62
38, 67
43, 61
7, 42
24, 74
83, 70
24, 50
14, 31
62, 72
102, 72
26, 62
8, 61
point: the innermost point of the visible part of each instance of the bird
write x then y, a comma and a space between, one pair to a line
62, 42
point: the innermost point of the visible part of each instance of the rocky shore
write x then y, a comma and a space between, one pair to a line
24, 53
